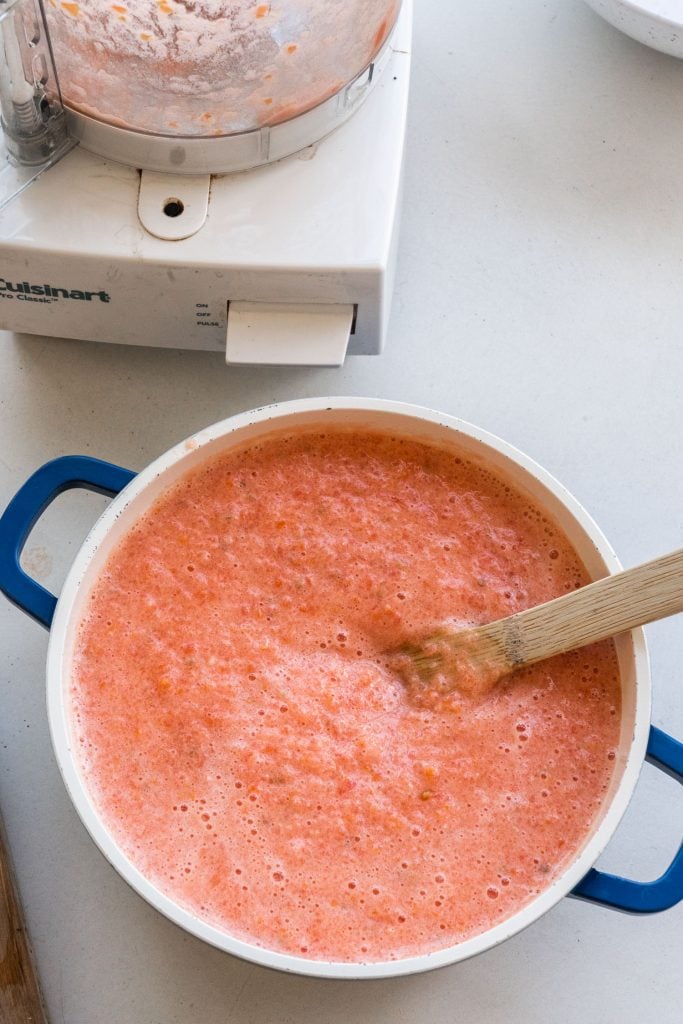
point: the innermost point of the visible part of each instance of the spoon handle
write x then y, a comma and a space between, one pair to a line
602, 609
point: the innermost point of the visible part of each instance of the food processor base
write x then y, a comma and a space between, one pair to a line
313, 236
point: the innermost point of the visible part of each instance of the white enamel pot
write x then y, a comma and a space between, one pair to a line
133, 495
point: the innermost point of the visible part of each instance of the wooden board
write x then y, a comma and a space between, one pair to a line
20, 999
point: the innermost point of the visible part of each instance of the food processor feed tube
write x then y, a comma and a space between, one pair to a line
33, 120
20, 111
213, 67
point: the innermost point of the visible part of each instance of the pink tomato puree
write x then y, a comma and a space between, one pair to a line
247, 744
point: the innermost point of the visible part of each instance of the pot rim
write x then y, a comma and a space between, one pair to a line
66, 758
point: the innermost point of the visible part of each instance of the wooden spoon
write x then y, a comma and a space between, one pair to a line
20, 999
474, 659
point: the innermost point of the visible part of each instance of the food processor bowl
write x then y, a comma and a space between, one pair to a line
190, 86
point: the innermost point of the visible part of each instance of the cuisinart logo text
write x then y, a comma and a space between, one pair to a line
28, 292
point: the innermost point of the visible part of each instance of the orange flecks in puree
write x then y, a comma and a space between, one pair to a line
380, 33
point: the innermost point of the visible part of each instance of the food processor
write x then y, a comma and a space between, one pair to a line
194, 183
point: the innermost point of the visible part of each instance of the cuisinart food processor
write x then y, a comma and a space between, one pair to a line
188, 188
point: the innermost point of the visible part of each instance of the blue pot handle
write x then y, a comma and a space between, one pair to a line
643, 897
25, 509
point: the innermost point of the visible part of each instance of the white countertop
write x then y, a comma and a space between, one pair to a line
539, 295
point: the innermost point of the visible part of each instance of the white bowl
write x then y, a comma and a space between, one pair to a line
656, 23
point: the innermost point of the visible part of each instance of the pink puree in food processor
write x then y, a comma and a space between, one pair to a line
252, 753
211, 67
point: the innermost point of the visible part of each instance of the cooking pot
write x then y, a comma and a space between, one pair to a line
133, 494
